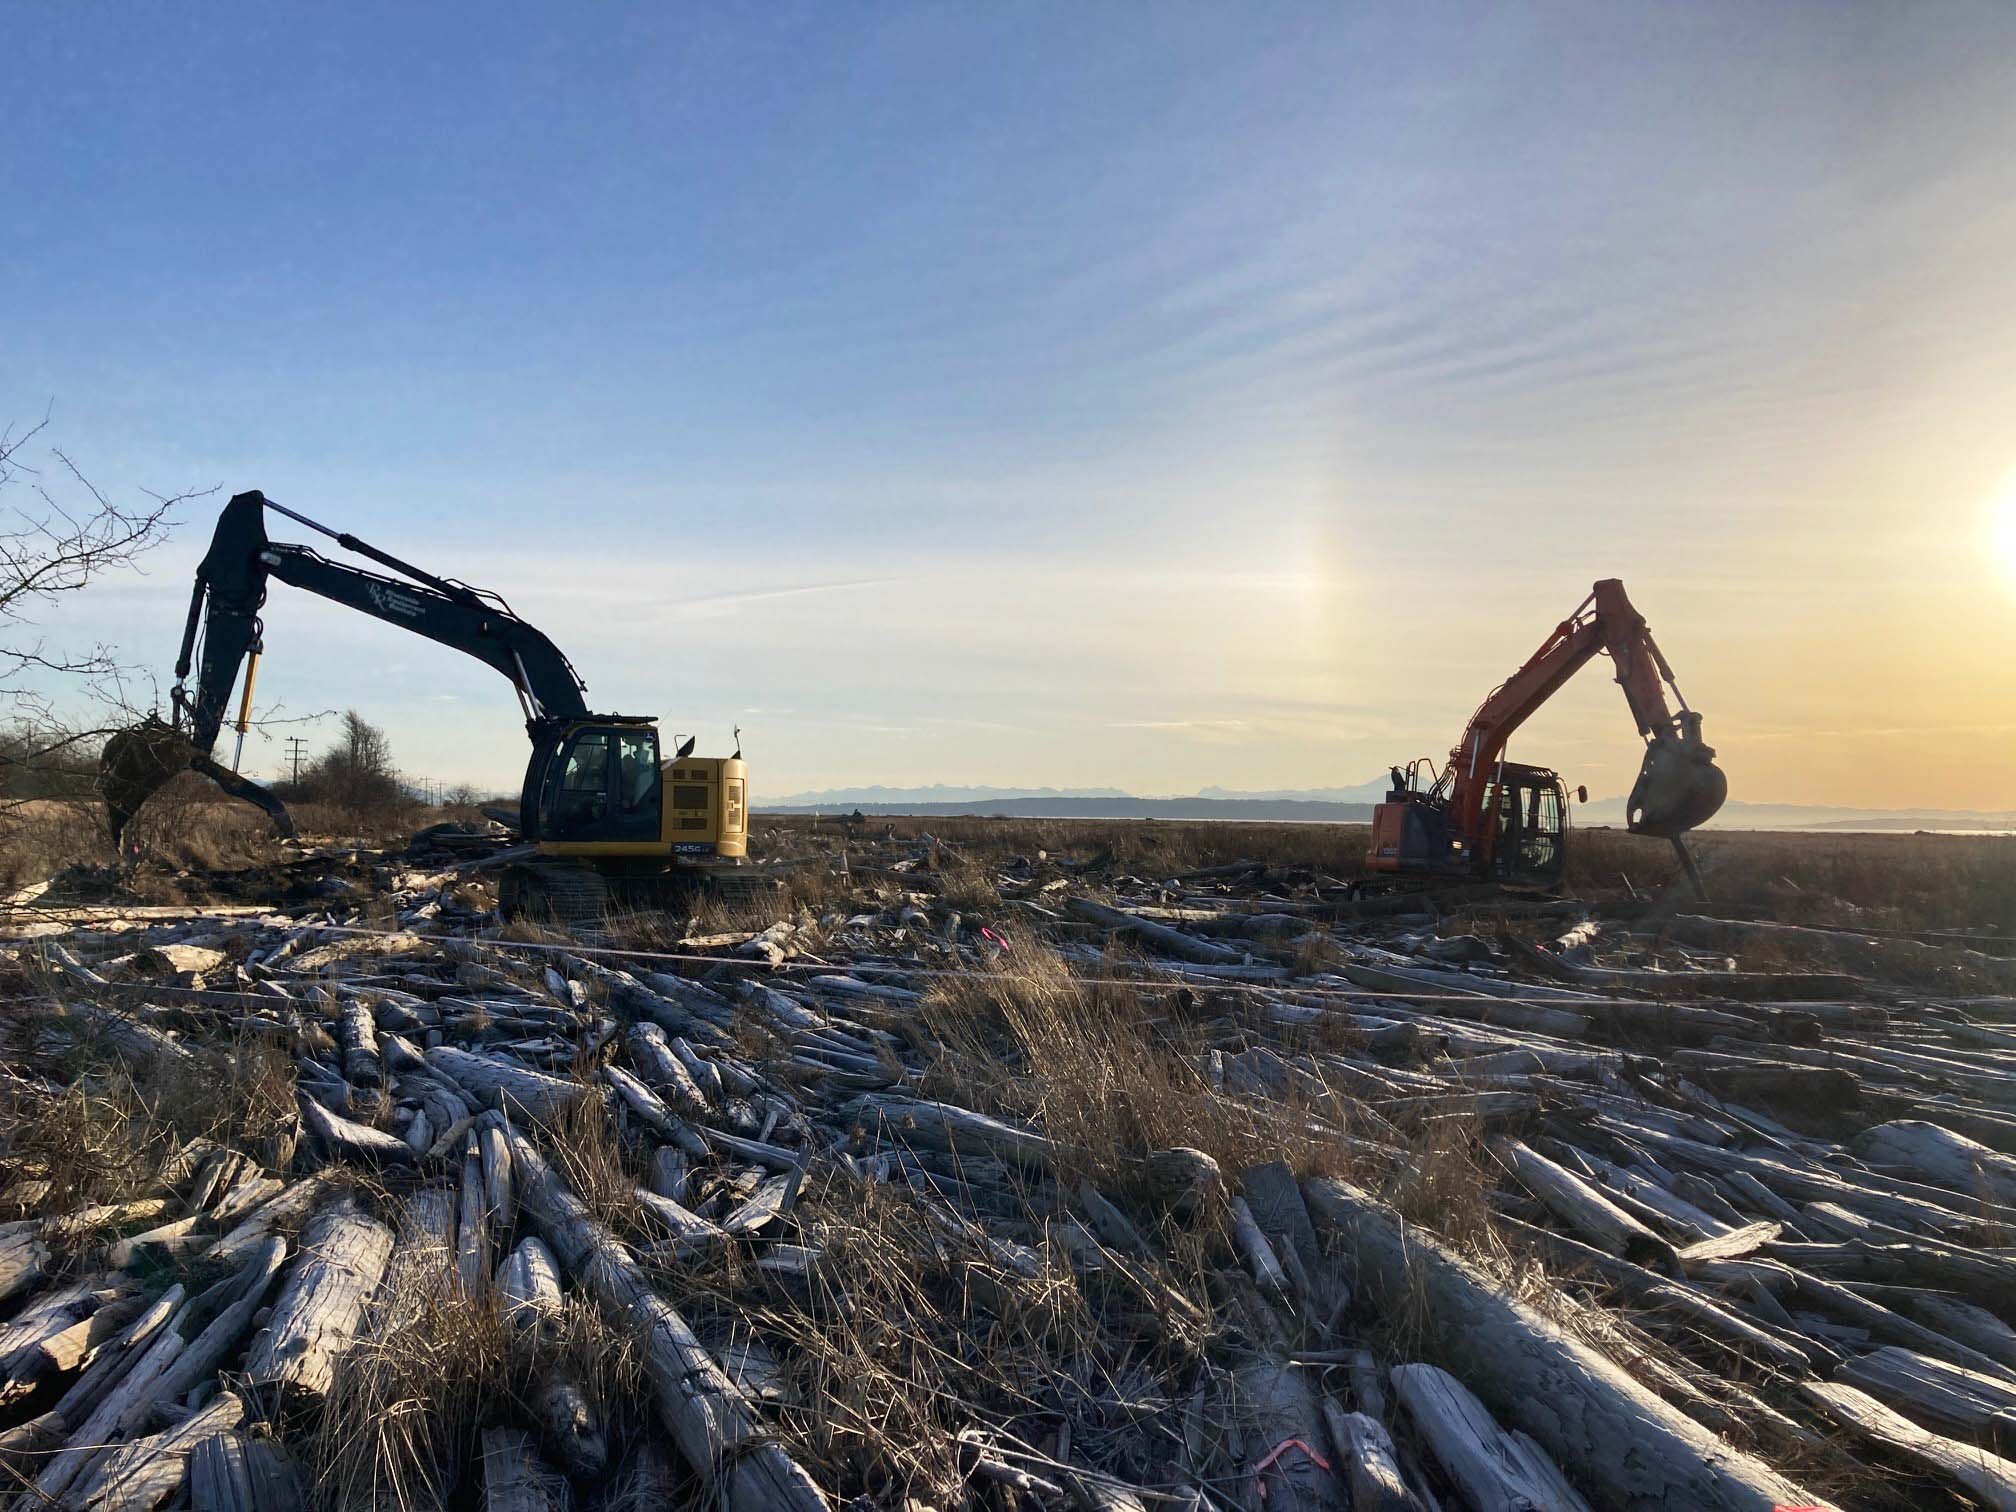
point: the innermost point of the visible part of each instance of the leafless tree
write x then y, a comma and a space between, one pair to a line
356, 773
59, 533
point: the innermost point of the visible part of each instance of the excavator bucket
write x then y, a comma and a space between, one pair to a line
1679, 787
142, 759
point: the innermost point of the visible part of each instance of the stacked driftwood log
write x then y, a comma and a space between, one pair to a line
1745, 1237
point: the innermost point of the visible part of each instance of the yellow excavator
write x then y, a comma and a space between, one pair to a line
606, 815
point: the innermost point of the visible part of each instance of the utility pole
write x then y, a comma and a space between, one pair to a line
294, 745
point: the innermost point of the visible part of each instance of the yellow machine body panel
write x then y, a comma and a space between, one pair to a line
703, 805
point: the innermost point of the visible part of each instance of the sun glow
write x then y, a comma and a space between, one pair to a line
2002, 532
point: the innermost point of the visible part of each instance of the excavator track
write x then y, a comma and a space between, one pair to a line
552, 891
572, 895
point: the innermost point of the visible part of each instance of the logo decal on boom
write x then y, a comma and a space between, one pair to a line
389, 600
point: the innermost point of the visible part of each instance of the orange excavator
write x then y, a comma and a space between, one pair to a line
1483, 818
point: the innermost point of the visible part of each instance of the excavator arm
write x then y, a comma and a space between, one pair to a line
223, 632
1679, 786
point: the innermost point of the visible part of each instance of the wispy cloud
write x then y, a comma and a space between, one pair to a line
784, 591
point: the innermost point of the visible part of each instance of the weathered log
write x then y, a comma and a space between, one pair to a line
1984, 1278
1668, 1299
940, 1126
399, 1054
1732, 1245
1890, 1327
242, 1297
571, 1426
1497, 1471
52, 1312
343, 1257
344, 1139
490, 1079
421, 1271
1964, 1323
1620, 1442
690, 1232
1275, 1202
230, 1472
65, 1349
146, 1472
251, 1191
1280, 1424
1978, 1407
1368, 1462
183, 1233
1367, 1391
1810, 1089
286, 1207
1746, 986
1948, 1159
766, 1204
528, 1286
1989, 1478
1254, 1246
652, 1055
1582, 1207
649, 1108
472, 1228
705, 1074
123, 1409
1160, 936
112, 1366
713, 1424
515, 1479
358, 1036
23, 1256
128, 1038
496, 1157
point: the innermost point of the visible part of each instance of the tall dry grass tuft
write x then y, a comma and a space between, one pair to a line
584, 1146
408, 1405
1109, 1071
969, 886
107, 1135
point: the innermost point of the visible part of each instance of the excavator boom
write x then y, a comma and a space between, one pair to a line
223, 633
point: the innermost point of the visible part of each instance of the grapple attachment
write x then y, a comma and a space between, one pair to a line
1679, 787
137, 763
142, 759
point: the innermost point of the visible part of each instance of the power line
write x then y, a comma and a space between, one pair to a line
294, 747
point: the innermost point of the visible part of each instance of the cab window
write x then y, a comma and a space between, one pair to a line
583, 798
637, 776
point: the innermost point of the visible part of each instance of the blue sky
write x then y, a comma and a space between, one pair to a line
1148, 396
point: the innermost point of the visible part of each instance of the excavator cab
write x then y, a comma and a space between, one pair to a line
599, 788
1525, 817
1530, 821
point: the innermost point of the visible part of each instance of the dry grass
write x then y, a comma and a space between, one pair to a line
1150, 847
107, 1135
969, 886
409, 1405
1110, 1072
911, 1328
583, 1144
1913, 881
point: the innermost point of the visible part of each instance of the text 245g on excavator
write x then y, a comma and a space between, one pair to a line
1483, 818
605, 810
